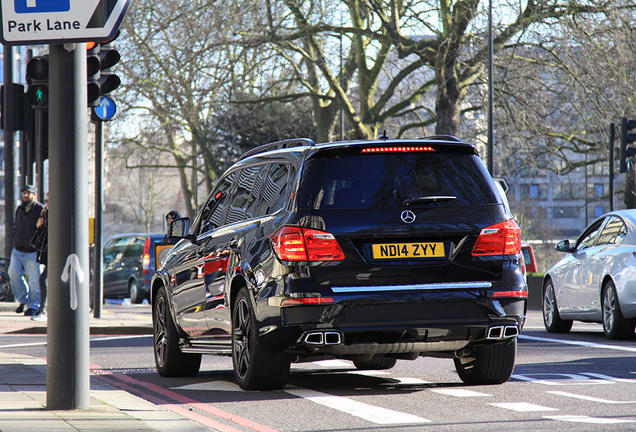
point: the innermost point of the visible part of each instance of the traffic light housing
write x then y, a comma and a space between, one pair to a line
38, 79
93, 66
627, 137
109, 57
13, 114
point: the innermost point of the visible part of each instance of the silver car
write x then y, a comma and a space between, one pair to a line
596, 280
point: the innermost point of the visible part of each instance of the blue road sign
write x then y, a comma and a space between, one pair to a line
106, 109
38, 6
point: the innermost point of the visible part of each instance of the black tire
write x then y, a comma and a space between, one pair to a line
133, 291
376, 363
255, 368
489, 364
615, 325
169, 359
551, 318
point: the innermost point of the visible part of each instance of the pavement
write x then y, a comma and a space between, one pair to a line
23, 385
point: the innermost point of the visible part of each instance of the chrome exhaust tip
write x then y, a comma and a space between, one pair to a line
495, 332
511, 331
332, 338
315, 338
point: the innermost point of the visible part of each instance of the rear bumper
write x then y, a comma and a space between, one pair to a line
404, 325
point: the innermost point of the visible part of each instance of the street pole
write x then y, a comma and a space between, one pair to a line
98, 272
611, 166
67, 377
491, 144
10, 160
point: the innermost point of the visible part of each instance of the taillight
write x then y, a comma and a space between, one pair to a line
503, 238
304, 244
515, 294
145, 260
307, 300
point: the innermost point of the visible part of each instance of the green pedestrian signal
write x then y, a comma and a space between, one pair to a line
38, 80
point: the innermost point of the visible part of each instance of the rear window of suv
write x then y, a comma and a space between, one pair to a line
386, 180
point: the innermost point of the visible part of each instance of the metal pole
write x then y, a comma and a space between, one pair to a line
10, 161
491, 146
195, 180
41, 144
341, 86
611, 166
98, 273
68, 365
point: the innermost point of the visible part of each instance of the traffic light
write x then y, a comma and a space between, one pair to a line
38, 79
627, 137
93, 66
12, 96
109, 57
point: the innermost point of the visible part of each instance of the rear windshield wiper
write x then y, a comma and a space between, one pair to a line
427, 199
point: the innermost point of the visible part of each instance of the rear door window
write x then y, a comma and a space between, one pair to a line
213, 214
274, 195
387, 181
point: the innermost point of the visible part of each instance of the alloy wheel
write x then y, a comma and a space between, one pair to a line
609, 309
160, 330
549, 305
242, 335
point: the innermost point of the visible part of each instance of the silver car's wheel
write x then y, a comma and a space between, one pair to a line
615, 325
551, 318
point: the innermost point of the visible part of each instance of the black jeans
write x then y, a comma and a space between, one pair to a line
43, 287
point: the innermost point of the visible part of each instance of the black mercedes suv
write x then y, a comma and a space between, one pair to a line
370, 251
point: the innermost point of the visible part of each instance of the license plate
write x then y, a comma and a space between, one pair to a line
408, 250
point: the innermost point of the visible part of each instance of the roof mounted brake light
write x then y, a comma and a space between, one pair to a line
397, 149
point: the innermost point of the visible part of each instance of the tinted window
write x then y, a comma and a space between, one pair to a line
588, 238
213, 213
274, 195
123, 247
241, 197
384, 181
613, 232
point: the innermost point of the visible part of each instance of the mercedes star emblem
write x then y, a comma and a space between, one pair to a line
408, 216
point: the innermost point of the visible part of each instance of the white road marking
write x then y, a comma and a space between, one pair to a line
607, 377
211, 386
590, 398
459, 393
586, 419
579, 343
523, 406
334, 363
33, 344
559, 379
408, 381
370, 413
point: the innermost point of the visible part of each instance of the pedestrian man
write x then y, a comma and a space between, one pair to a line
40, 241
173, 215
24, 262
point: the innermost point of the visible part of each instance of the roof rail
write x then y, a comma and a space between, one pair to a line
441, 137
294, 142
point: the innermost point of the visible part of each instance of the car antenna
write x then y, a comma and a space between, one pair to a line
383, 136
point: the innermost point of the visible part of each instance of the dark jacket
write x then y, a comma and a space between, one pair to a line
40, 240
24, 227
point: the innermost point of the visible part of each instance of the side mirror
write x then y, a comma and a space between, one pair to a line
563, 246
179, 228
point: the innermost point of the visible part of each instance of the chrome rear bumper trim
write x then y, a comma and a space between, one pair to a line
422, 287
